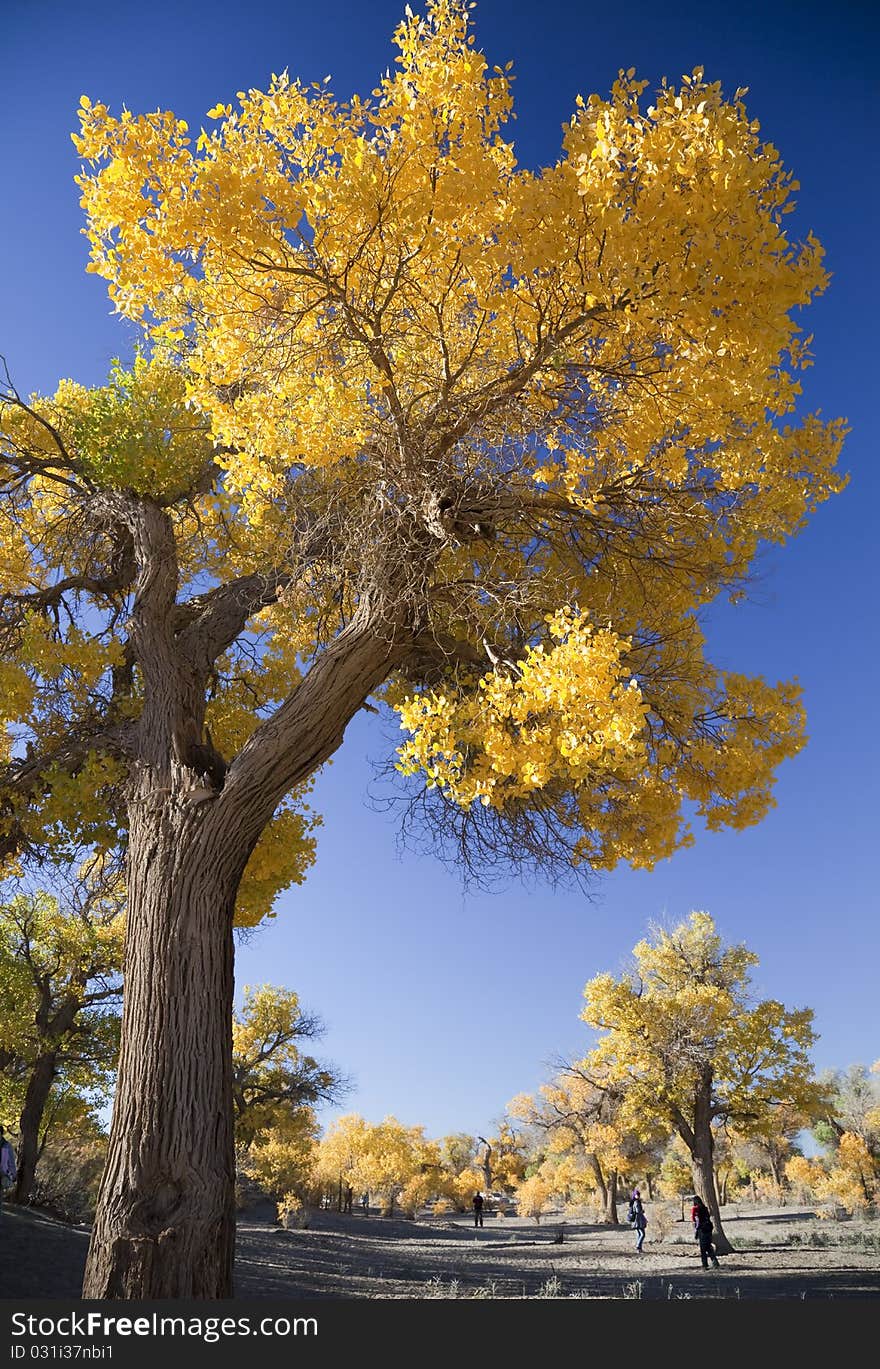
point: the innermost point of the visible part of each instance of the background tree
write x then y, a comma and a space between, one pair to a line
382, 1159
59, 1009
458, 1151
72, 1156
533, 1195
849, 1129
695, 1051
281, 1158
770, 1142
271, 1076
853, 1105
484, 439
276, 1088
676, 1171
501, 1158
580, 1111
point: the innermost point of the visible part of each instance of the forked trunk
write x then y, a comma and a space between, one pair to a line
165, 1224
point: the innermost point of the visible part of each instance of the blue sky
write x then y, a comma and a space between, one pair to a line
442, 1004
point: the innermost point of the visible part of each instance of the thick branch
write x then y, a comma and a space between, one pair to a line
216, 619
309, 726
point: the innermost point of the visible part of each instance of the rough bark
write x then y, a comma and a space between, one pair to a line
702, 1147
607, 1187
39, 1085
165, 1224
611, 1200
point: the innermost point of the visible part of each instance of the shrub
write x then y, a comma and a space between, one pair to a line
68, 1176
292, 1213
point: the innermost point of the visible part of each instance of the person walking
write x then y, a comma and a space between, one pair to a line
638, 1219
703, 1228
7, 1164
478, 1209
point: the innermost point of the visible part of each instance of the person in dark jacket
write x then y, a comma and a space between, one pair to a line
478, 1209
7, 1164
638, 1218
702, 1219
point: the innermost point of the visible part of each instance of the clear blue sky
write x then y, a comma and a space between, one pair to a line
441, 1005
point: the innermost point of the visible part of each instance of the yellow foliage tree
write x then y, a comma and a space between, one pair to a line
503, 1160
533, 1196
385, 1159
419, 421
281, 1158
582, 1115
692, 1047
275, 1088
60, 990
465, 1185
271, 1075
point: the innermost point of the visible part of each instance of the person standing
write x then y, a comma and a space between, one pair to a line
638, 1219
478, 1209
703, 1228
7, 1164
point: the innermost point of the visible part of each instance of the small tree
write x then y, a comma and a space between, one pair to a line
384, 1158
581, 1112
533, 1196
503, 1160
271, 1075
61, 988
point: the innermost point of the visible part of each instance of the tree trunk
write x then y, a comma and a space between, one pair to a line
487, 1167
611, 1200
600, 1182
39, 1085
703, 1172
648, 1181
607, 1191
777, 1171
699, 1141
165, 1224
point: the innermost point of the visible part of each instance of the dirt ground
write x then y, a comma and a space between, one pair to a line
780, 1253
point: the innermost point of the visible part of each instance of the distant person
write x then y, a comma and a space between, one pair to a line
365, 1204
638, 1219
7, 1164
703, 1228
349, 1196
478, 1209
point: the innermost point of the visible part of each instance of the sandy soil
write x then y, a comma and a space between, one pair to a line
374, 1257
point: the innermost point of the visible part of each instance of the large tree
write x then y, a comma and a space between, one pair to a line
695, 1050
420, 422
